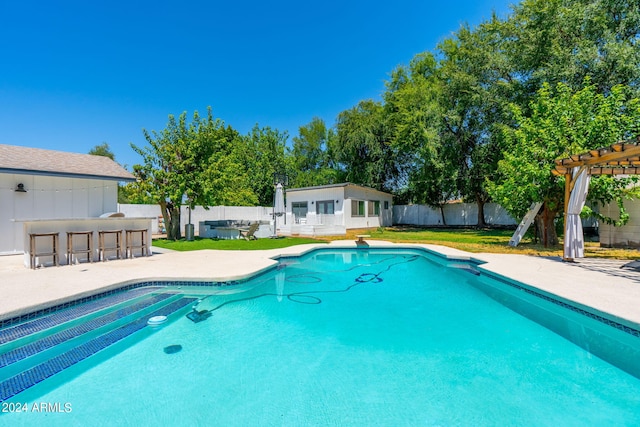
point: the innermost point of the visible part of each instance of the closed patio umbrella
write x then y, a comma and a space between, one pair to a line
278, 206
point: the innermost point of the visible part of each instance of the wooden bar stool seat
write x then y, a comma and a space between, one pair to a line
87, 249
102, 249
54, 252
131, 246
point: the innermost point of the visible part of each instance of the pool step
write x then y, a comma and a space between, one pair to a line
61, 317
29, 364
80, 330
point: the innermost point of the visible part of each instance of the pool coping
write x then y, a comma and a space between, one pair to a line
25, 291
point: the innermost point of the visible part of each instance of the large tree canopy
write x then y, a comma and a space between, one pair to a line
562, 122
413, 106
553, 41
310, 157
263, 154
363, 147
192, 163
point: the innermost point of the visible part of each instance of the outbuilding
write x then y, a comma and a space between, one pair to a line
333, 209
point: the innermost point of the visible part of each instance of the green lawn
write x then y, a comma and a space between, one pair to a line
232, 245
483, 240
470, 240
489, 237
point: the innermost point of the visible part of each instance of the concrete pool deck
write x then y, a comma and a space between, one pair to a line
598, 284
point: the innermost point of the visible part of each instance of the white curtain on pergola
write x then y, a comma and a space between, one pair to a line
574, 238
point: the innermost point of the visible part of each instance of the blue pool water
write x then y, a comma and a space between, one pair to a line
351, 337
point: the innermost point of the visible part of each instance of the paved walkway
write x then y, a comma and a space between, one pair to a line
601, 285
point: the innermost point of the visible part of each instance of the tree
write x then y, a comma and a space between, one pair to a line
191, 163
414, 111
363, 147
565, 41
444, 111
103, 150
227, 181
263, 154
310, 156
126, 193
447, 112
476, 90
562, 123
551, 49
167, 169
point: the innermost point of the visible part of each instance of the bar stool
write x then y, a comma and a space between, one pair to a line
143, 242
88, 249
101, 245
55, 248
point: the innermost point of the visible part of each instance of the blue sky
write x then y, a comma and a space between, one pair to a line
74, 74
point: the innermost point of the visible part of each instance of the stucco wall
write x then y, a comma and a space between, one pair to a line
312, 197
342, 196
385, 218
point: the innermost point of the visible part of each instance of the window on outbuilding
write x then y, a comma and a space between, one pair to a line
374, 208
325, 207
299, 209
386, 205
357, 208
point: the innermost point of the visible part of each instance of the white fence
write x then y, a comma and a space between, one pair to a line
457, 214
239, 213
463, 214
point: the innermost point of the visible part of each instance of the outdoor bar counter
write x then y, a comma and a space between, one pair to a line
52, 242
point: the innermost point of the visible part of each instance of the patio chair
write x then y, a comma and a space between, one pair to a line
249, 234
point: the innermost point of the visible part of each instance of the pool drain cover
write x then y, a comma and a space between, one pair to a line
173, 349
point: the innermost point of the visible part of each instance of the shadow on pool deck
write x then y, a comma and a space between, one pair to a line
612, 267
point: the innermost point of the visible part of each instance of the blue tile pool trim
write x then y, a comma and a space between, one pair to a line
39, 373
67, 334
146, 284
624, 328
63, 314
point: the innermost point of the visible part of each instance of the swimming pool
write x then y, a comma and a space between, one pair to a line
336, 337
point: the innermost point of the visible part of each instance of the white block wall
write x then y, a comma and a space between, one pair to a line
456, 214
626, 236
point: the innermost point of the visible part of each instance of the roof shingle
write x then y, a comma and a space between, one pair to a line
26, 160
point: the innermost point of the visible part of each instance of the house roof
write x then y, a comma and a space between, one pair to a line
36, 161
344, 184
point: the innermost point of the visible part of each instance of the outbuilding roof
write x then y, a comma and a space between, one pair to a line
343, 184
37, 161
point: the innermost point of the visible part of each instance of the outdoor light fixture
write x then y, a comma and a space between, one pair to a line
20, 188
